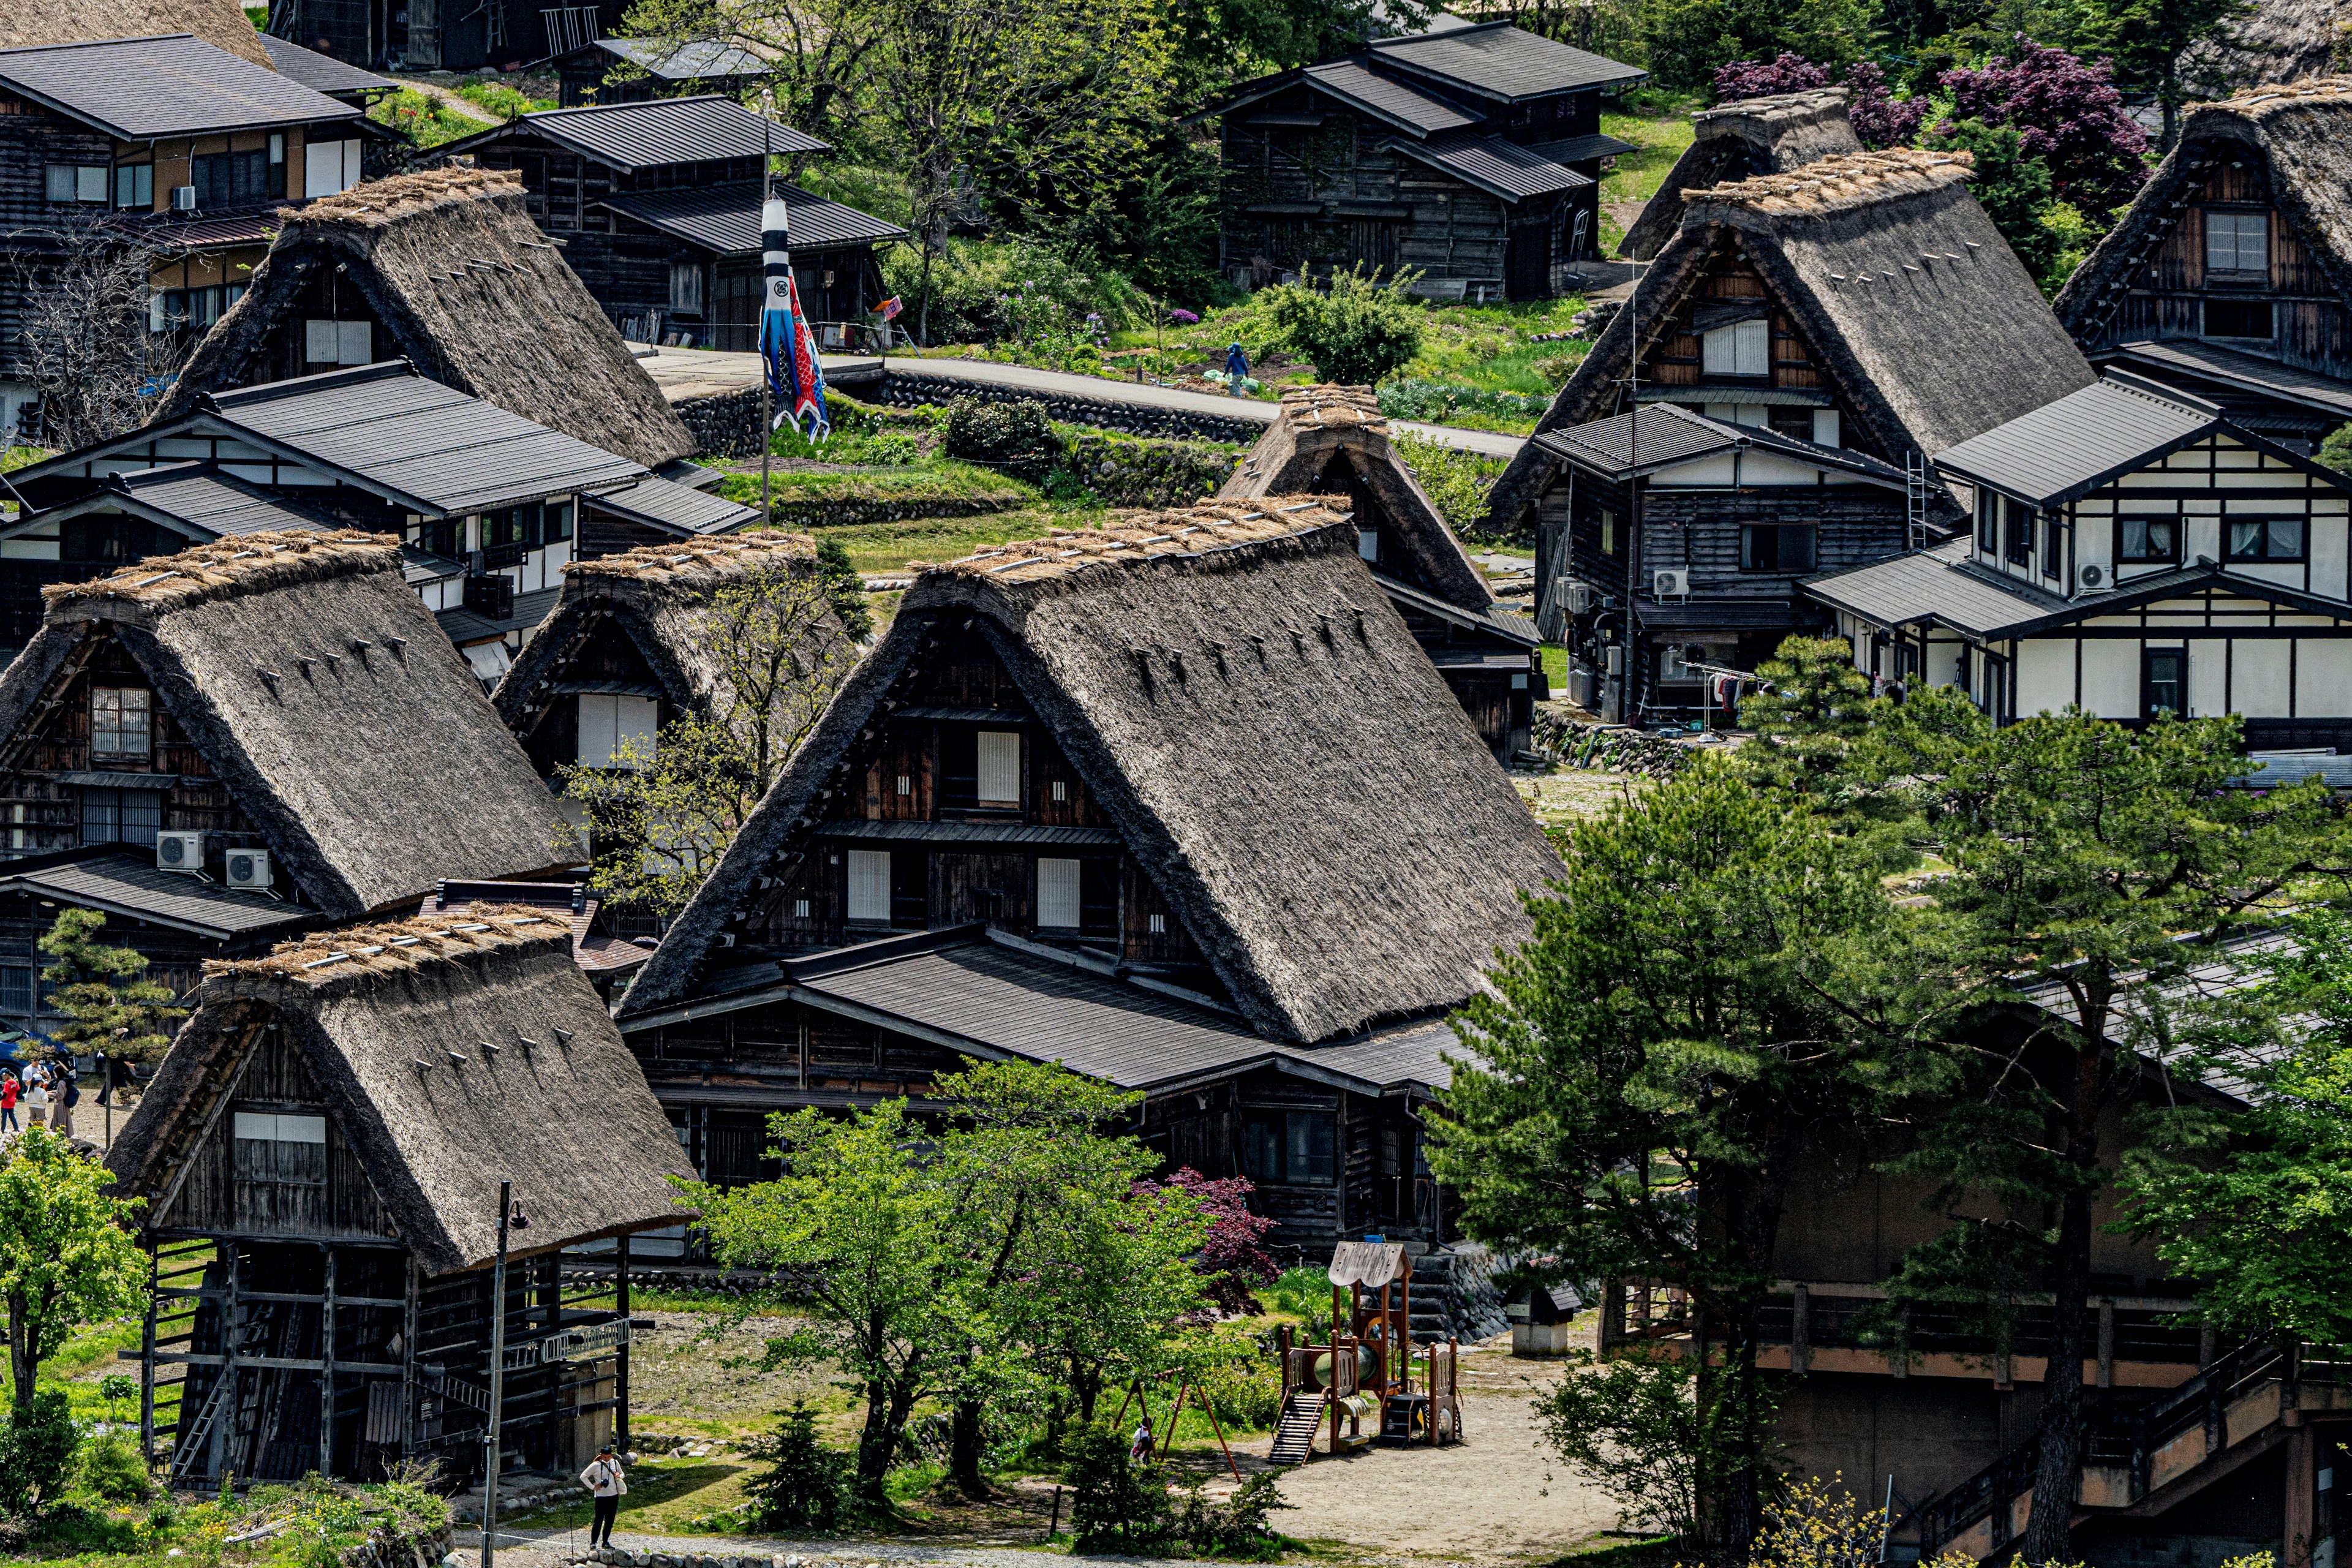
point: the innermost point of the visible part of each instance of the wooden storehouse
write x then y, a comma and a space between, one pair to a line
635, 641
442, 269
1072, 808
1472, 154
656, 204
222, 745
322, 1155
1739, 140
2135, 552
442, 34
487, 504
1334, 440
2229, 278
324, 73
1864, 303
630, 70
175, 142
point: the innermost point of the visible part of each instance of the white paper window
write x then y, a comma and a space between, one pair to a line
118, 722
280, 1127
329, 167
1368, 543
2238, 242
338, 343
1000, 766
608, 722
1825, 427
1744, 348
1057, 892
869, 886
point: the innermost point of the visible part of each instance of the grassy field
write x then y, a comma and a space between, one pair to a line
1661, 138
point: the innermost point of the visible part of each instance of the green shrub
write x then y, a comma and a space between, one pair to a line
36, 1452
1242, 1526
805, 1483
1245, 1392
1304, 1293
501, 100
1357, 330
2335, 452
111, 1468
1457, 480
1113, 1508
118, 1386
845, 588
1014, 437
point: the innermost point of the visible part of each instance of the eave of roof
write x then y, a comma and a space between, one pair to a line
121, 884
1463, 46
1498, 622
1502, 169
714, 218
2250, 372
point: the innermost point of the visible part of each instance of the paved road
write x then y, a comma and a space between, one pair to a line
702, 372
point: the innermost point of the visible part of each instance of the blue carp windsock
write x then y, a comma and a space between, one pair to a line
794, 377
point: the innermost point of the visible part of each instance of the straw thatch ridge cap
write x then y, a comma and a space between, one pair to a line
2258, 102
470, 291
1335, 406
694, 563
1769, 135
1139, 534
224, 568
1835, 184
356, 952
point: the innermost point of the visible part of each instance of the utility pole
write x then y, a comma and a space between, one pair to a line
497, 1382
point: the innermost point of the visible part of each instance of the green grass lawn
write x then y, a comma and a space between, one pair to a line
1662, 137
934, 479
890, 546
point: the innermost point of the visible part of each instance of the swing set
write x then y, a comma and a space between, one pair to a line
1136, 1393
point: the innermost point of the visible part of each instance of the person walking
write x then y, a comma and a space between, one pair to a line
8, 1091
65, 1088
37, 1100
1236, 368
604, 1480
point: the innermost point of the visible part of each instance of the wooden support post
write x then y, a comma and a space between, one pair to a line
147, 1365
2302, 1497
327, 1367
408, 1363
1219, 1431
1801, 1333
1168, 1440
621, 1357
2204, 1347
1898, 1360
2106, 1342
232, 1331
2290, 1387
1404, 1317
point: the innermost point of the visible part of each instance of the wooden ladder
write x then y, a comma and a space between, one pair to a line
1294, 1436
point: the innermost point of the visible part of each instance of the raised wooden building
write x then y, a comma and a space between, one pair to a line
1180, 802
323, 1153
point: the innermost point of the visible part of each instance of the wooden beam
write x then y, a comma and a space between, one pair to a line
327, 1366
276, 1362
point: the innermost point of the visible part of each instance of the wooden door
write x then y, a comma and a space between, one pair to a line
1527, 262
424, 35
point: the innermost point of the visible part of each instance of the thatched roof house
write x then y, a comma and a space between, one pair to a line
282, 691
1866, 295
360, 1009
1742, 138
1334, 440
632, 643
2275, 42
220, 23
2230, 275
446, 268
1218, 710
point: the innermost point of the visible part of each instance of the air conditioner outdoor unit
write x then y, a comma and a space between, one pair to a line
247, 868
2096, 577
184, 198
179, 850
1670, 585
1581, 597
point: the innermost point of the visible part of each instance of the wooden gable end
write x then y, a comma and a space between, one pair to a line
603, 654
975, 829
273, 1159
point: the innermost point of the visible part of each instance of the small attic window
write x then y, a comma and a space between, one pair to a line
1744, 348
119, 721
284, 1150
1000, 767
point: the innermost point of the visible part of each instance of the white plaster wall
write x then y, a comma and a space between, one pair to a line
2045, 674
2111, 678
2258, 679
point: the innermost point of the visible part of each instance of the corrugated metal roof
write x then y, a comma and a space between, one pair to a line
2069, 447
699, 59
662, 131
1577, 149
675, 507
970, 833
1665, 434
174, 85
1498, 61
219, 503
726, 218
1936, 586
442, 452
1037, 1008
122, 884
1387, 97
2254, 372
1501, 168
324, 73
169, 232
1408, 1054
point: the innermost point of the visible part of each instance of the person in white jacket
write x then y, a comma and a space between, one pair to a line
604, 1479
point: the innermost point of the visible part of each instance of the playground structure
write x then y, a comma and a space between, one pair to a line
1367, 1369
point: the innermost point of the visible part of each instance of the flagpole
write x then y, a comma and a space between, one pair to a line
767, 391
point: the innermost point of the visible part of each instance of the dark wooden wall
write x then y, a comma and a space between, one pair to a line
31, 137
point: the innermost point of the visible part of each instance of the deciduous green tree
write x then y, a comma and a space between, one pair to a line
1357, 330
67, 1257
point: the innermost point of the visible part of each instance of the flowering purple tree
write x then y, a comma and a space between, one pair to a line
1880, 119
1230, 1260
2067, 113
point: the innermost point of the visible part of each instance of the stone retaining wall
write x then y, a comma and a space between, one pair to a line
891, 508
726, 425
904, 386
1147, 473
392, 1547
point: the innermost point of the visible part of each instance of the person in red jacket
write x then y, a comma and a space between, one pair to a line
8, 1102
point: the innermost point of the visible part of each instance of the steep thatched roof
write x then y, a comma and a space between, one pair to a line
1922, 320
660, 597
2304, 131
326, 699
1335, 439
456, 1051
471, 294
1750, 136
220, 23
2277, 41
1271, 744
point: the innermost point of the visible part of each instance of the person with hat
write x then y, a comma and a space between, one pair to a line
604, 1480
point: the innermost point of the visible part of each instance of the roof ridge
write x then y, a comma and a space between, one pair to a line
251, 563
323, 958
723, 554
301, 386
639, 104
1147, 534
1842, 180
100, 43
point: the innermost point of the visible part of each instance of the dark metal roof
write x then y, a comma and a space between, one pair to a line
1494, 620
1387, 97
1407, 1054
323, 73
2253, 373
1653, 439
437, 451
1577, 149
970, 833
174, 85
725, 219
129, 885
423, 566
631, 136
1939, 586
2069, 447
463, 626
170, 232
697, 59
675, 507
1498, 61
206, 499
1500, 168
